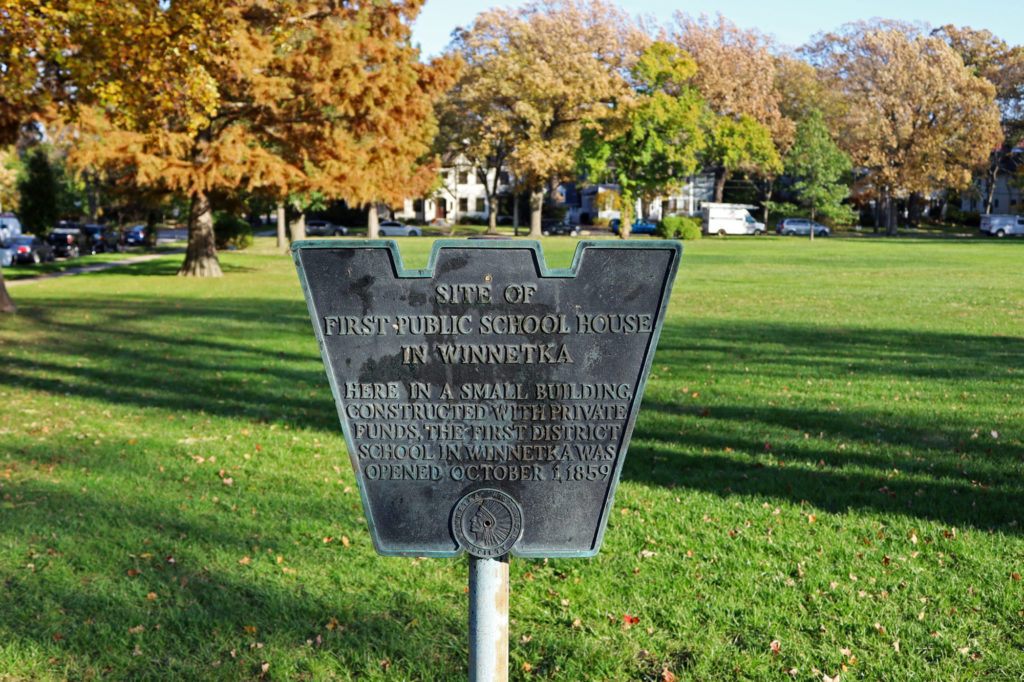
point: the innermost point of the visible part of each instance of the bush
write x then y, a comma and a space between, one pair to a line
678, 227
968, 218
231, 232
601, 222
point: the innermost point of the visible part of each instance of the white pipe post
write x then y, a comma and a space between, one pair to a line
488, 619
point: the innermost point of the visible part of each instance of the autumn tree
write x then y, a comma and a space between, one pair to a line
736, 76
653, 140
1002, 65
543, 73
285, 98
918, 119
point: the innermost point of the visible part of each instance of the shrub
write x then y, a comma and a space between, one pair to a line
679, 227
231, 232
968, 218
601, 222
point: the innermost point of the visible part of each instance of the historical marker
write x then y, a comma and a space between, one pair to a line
487, 401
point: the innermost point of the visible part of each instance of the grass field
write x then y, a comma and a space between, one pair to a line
826, 478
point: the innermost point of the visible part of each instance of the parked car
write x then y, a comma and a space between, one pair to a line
553, 226
29, 248
10, 226
393, 228
325, 228
103, 239
135, 235
639, 226
789, 226
1002, 225
6, 254
68, 240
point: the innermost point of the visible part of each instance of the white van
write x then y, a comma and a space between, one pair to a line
723, 219
10, 227
1002, 225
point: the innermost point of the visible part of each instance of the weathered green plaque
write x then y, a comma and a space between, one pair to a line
488, 400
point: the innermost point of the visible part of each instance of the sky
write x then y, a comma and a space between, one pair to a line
793, 23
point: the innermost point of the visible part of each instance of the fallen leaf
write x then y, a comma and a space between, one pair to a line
151, 596
667, 676
137, 629
245, 561
333, 624
250, 630
775, 647
527, 667
896, 645
879, 628
345, 541
1015, 576
647, 554
629, 621
577, 623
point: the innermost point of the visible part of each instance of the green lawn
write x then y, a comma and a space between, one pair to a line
826, 478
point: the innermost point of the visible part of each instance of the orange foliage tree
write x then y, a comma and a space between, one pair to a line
918, 119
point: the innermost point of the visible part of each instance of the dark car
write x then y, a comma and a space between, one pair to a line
636, 227
68, 240
135, 235
103, 239
325, 228
552, 226
31, 249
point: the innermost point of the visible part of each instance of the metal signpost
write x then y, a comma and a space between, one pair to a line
487, 400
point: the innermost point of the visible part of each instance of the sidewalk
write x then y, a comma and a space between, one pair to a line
92, 268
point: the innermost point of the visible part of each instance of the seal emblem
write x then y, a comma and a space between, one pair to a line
487, 523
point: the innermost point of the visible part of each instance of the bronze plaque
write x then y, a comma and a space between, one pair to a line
487, 401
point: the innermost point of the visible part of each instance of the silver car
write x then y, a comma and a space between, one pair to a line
325, 228
801, 226
393, 228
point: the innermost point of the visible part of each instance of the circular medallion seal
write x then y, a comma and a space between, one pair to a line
487, 523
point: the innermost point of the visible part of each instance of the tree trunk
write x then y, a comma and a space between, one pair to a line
282, 227
6, 304
201, 255
515, 213
297, 228
991, 180
149, 241
720, 174
890, 216
536, 206
372, 221
914, 209
626, 215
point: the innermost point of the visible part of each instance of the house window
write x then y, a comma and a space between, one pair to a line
417, 205
463, 177
463, 205
503, 178
995, 204
480, 206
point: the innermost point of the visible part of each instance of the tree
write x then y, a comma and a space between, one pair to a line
40, 191
543, 73
653, 140
1003, 66
818, 165
283, 98
918, 119
736, 76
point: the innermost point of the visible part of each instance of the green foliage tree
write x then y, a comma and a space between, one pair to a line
818, 165
654, 141
44, 191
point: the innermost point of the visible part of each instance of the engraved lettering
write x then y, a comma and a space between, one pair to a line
510, 354
614, 323
462, 293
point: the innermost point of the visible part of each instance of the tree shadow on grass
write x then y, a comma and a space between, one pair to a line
145, 587
793, 425
233, 357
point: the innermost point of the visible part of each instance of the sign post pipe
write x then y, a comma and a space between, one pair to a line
488, 619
